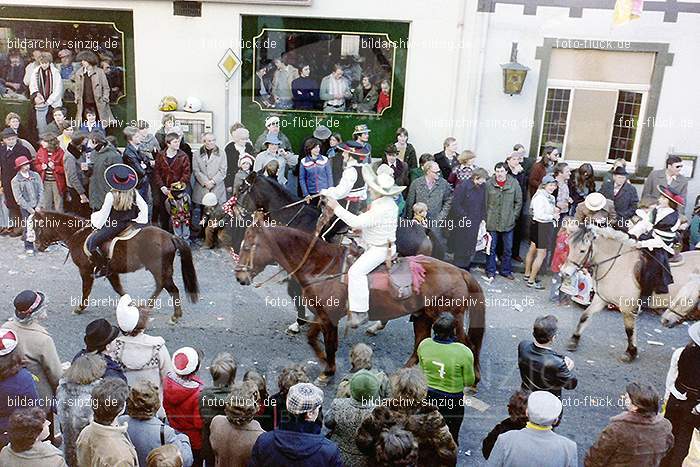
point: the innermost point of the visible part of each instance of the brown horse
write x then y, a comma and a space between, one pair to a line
446, 288
152, 248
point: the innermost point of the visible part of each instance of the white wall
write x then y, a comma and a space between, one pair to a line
679, 100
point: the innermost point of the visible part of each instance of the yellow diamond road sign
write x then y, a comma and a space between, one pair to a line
229, 63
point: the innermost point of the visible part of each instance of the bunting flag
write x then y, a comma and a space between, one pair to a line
626, 11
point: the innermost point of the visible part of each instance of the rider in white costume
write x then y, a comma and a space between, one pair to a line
378, 233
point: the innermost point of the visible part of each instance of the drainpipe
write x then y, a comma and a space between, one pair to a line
484, 23
455, 88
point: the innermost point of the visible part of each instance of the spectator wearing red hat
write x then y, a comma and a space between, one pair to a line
27, 190
181, 392
39, 350
17, 387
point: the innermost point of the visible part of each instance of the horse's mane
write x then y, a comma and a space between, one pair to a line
275, 186
606, 232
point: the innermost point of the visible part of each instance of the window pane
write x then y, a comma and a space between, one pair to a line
625, 125
556, 110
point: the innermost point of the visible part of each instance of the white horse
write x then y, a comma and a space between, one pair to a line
614, 261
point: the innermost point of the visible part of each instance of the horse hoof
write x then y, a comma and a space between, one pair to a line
627, 358
173, 321
322, 380
78, 311
572, 346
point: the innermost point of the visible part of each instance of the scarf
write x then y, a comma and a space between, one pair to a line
45, 82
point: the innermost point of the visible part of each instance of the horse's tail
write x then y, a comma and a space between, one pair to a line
477, 318
189, 275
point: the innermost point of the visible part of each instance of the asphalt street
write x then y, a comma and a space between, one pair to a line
251, 324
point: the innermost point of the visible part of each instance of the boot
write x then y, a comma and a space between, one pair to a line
357, 318
100, 263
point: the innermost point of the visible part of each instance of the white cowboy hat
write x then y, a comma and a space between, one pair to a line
595, 201
694, 333
209, 199
383, 181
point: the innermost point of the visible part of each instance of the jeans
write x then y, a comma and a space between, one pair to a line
28, 243
506, 263
183, 231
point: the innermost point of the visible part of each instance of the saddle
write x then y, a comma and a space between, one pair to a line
108, 247
401, 277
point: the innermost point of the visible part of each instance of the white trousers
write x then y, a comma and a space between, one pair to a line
358, 285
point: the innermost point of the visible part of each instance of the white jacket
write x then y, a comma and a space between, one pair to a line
56, 97
346, 182
542, 207
378, 223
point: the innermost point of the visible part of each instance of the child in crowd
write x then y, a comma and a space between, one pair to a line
420, 213
266, 412
213, 221
49, 165
91, 123
464, 170
27, 189
181, 392
178, 204
245, 164
561, 252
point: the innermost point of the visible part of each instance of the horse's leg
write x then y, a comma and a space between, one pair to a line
629, 317
312, 339
174, 292
596, 305
464, 339
375, 328
421, 330
330, 341
88, 280
116, 283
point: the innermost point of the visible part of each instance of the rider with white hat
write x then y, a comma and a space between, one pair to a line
378, 232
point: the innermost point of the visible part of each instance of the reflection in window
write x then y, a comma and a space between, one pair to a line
555, 116
22, 39
625, 125
323, 71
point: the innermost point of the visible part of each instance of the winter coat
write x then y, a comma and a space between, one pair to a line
100, 89
75, 176
8, 171
59, 174
626, 199
145, 435
345, 417
631, 439
315, 174
446, 164
55, 98
534, 180
233, 154
533, 447
233, 444
467, 211
505, 426
17, 390
298, 445
211, 403
27, 191
73, 398
435, 444
101, 159
543, 370
259, 145
143, 357
137, 161
181, 404
304, 93
42, 454
365, 100
658, 178
165, 174
205, 168
409, 156
438, 199
102, 446
503, 204
40, 356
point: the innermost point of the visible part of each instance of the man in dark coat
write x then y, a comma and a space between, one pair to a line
467, 212
447, 158
622, 193
542, 369
10, 150
515, 169
399, 167
299, 441
137, 160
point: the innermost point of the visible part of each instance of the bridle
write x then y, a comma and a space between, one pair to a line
587, 264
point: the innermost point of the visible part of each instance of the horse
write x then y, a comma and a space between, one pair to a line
152, 248
613, 261
685, 304
446, 288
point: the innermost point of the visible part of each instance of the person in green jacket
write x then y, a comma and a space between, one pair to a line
448, 366
504, 199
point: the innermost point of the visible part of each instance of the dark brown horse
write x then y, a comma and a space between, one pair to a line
152, 248
446, 288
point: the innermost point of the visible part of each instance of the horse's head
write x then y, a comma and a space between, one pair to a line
255, 255
45, 234
684, 303
580, 250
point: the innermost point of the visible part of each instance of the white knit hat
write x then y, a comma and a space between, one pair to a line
185, 361
127, 314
